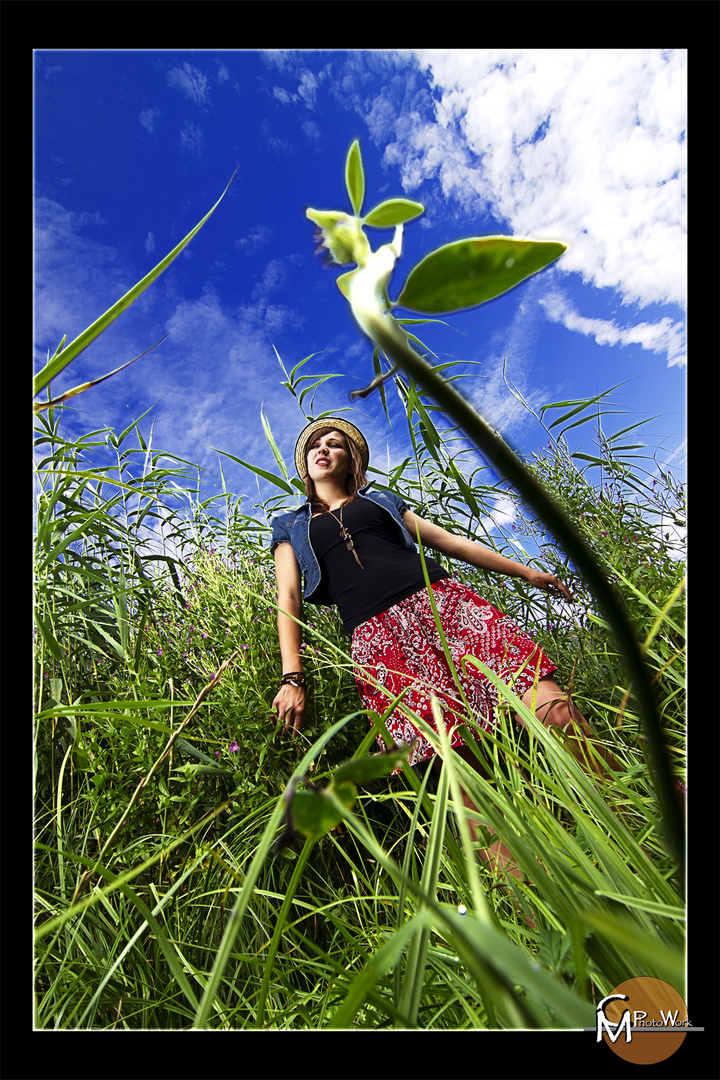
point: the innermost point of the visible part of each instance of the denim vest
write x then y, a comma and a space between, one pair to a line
294, 528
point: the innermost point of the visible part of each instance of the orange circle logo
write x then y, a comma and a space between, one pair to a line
643, 1020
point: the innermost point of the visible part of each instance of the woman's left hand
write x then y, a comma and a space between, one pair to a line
548, 582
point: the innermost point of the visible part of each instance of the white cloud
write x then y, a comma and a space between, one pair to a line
258, 237
150, 243
508, 386
504, 513
307, 89
77, 277
218, 369
584, 146
664, 336
278, 145
311, 130
191, 82
273, 277
676, 458
148, 118
274, 318
675, 538
192, 139
496, 403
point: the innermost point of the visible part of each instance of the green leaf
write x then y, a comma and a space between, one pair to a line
314, 813
355, 177
201, 770
360, 770
48, 638
273, 445
187, 748
471, 272
277, 480
383, 960
39, 406
654, 907
393, 212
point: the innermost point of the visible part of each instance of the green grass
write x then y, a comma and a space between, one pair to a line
191, 917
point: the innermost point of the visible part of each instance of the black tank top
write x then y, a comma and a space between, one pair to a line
391, 571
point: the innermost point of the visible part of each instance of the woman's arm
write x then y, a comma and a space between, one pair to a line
289, 702
458, 547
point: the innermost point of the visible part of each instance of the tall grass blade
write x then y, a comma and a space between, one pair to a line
39, 406
382, 960
240, 907
415, 972
66, 355
279, 928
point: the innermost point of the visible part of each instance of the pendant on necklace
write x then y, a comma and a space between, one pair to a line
350, 546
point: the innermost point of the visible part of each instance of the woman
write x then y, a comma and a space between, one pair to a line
354, 548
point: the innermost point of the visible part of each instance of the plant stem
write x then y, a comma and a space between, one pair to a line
386, 333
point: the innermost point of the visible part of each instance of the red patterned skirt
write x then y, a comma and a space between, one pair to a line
401, 647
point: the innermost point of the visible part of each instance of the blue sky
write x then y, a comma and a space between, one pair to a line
132, 148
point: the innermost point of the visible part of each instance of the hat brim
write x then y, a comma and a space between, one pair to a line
337, 424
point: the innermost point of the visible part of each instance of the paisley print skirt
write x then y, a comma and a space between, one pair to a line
401, 648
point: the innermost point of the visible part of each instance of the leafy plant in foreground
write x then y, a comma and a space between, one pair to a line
465, 274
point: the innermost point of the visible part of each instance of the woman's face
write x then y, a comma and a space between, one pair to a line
328, 457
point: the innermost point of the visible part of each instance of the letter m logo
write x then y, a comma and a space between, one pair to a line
609, 1026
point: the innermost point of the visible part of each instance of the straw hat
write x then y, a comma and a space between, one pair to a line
335, 423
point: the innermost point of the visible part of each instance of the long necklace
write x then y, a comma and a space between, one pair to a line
346, 536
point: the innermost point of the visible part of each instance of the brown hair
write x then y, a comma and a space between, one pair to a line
355, 478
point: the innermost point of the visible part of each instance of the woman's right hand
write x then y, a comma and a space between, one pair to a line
289, 703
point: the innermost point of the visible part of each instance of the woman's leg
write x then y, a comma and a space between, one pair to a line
497, 856
556, 709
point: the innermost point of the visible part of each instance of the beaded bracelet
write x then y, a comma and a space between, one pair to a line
293, 678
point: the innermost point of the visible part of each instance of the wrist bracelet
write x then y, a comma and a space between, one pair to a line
293, 678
